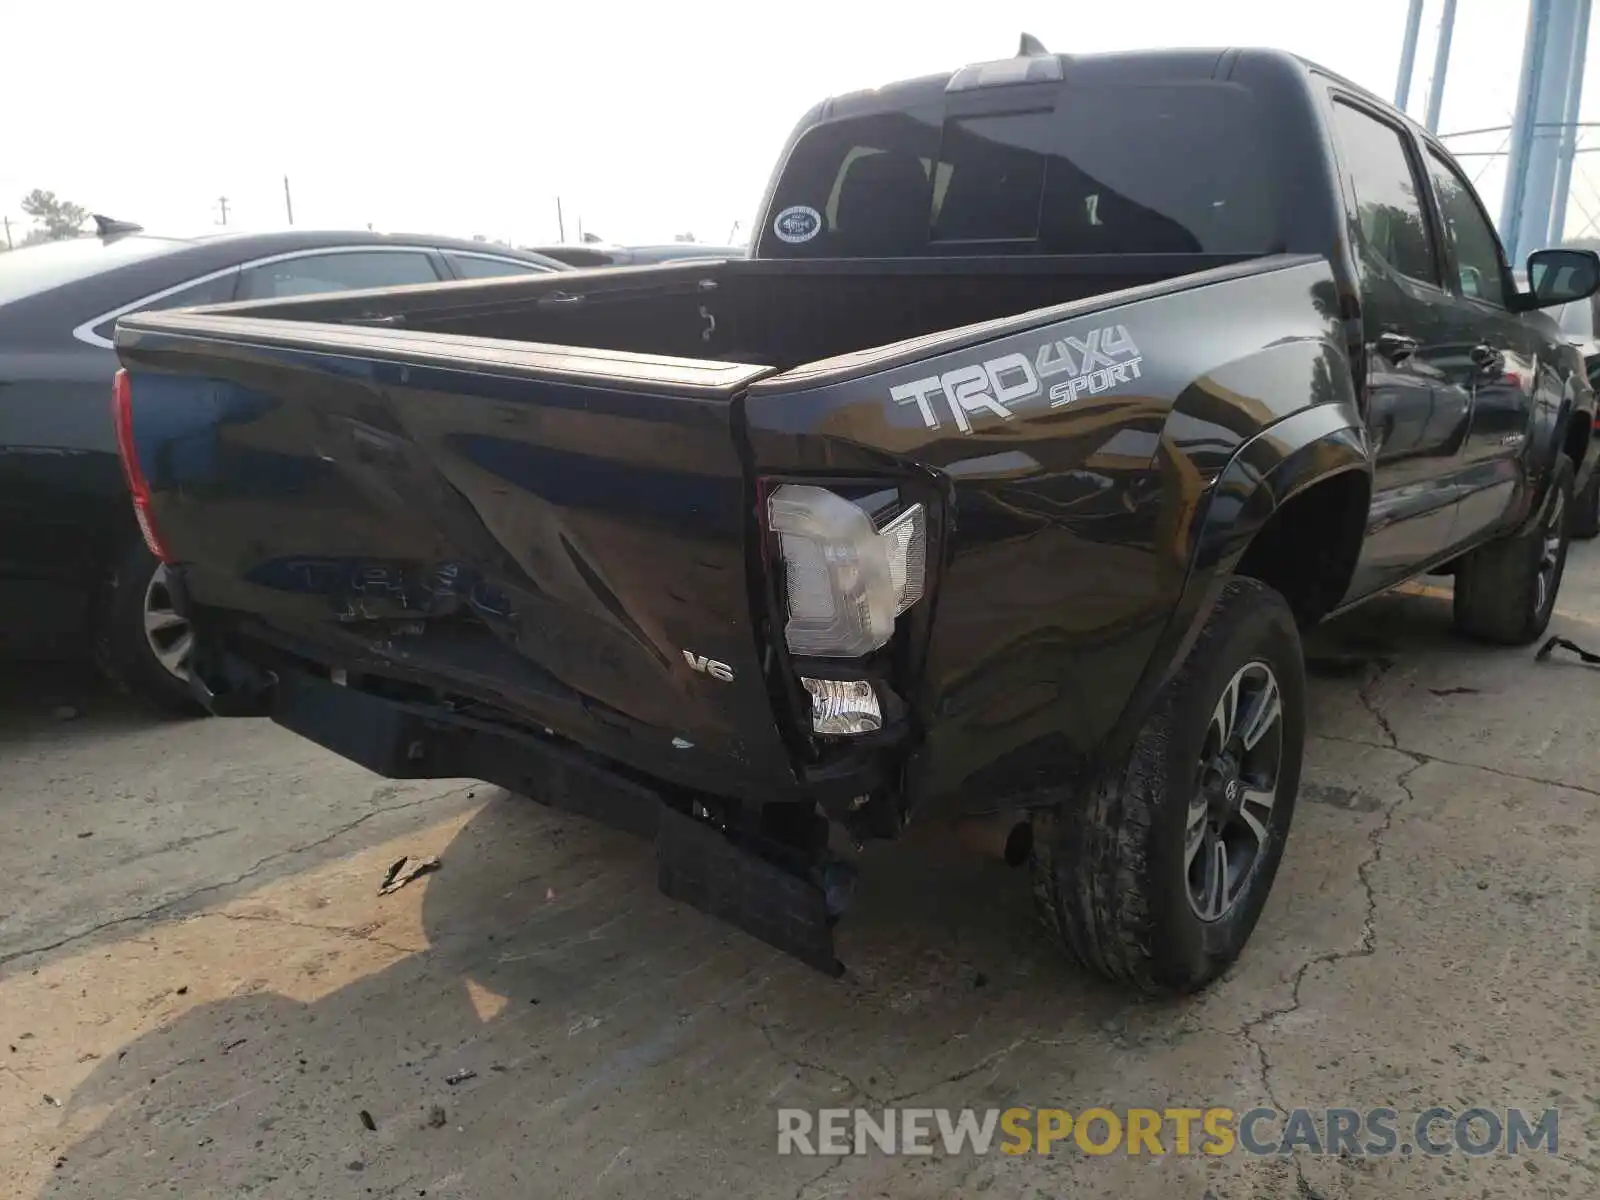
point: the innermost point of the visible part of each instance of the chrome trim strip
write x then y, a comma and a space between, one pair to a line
85, 332
704, 378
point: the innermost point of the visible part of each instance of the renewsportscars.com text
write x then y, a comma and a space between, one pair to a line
1374, 1132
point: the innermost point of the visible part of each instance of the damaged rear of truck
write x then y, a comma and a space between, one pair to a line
768, 559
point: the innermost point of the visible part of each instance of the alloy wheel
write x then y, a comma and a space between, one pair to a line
166, 630
1236, 786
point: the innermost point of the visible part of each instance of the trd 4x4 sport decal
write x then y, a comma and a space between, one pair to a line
1097, 362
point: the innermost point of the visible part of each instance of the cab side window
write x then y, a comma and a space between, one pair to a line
1469, 233
1388, 199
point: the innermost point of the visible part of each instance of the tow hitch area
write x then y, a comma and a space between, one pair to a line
696, 862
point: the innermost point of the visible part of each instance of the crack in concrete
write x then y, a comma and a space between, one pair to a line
989, 1059
1421, 758
175, 902
1364, 694
334, 930
1366, 949
1579, 1163
1303, 1186
805, 1187
794, 1060
1248, 1031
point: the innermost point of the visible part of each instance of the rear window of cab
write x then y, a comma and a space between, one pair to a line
1123, 169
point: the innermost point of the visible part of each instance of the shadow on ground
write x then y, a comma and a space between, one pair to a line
594, 1014
548, 1024
59, 702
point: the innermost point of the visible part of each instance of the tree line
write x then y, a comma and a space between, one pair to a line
54, 219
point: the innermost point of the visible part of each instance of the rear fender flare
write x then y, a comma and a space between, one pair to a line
1279, 463
1270, 469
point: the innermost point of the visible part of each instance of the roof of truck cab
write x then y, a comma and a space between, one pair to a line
1366, 93
1139, 64
1131, 66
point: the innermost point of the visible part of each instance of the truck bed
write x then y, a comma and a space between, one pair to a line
779, 314
537, 500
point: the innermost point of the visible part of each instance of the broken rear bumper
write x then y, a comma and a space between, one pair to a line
780, 902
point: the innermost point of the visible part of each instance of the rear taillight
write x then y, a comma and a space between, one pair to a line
846, 580
138, 486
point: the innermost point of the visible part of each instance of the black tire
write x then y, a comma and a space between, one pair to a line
1506, 590
1586, 509
1111, 875
124, 650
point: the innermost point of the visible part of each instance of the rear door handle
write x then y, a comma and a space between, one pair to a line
1395, 346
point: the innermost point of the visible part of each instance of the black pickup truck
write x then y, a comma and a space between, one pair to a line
1058, 396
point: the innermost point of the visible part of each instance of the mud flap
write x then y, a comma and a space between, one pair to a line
697, 865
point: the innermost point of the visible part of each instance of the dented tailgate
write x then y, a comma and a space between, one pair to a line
558, 532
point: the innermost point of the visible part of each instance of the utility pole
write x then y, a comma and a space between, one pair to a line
222, 202
561, 224
288, 202
9, 243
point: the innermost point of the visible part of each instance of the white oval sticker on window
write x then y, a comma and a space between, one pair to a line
797, 223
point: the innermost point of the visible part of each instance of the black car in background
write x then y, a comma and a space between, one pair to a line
74, 571
1580, 321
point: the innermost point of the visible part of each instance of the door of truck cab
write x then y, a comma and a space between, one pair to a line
1490, 365
1415, 424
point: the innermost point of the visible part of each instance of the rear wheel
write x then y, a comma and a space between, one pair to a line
144, 643
1506, 590
1158, 875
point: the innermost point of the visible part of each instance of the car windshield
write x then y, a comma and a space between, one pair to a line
1172, 168
34, 269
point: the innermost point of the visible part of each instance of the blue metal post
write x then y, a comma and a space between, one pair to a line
1408, 55
1557, 232
1511, 205
1539, 188
1441, 64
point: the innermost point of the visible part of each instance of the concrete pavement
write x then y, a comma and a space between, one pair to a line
197, 971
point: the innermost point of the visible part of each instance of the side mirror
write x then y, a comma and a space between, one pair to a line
1558, 277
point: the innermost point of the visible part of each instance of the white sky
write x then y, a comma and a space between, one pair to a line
648, 119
